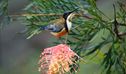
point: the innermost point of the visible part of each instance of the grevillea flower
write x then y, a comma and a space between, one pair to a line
58, 60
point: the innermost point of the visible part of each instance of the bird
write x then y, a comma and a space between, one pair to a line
62, 26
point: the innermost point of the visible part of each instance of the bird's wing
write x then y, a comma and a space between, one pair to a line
56, 25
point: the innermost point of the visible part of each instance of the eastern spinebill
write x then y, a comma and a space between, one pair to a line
61, 26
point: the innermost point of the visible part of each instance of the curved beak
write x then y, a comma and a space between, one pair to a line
74, 10
72, 14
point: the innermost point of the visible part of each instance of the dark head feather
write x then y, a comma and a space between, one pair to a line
66, 14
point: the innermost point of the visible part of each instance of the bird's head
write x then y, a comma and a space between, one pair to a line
69, 15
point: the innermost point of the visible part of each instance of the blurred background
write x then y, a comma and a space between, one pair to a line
19, 55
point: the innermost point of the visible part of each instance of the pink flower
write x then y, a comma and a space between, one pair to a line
57, 59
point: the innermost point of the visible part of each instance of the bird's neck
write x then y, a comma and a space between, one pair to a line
69, 24
68, 21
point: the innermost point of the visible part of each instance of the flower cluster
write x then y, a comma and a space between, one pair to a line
58, 60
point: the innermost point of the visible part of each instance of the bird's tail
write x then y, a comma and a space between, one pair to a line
43, 27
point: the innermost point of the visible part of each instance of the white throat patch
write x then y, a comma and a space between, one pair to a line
69, 24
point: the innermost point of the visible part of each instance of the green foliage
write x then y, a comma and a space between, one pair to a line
4, 13
3, 7
84, 37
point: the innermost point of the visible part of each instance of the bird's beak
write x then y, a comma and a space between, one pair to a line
74, 10
72, 14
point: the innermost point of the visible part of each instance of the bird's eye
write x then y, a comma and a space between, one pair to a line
66, 14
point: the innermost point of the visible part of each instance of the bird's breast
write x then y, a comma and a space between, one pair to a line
59, 34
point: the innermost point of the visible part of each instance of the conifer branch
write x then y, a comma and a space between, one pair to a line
50, 14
